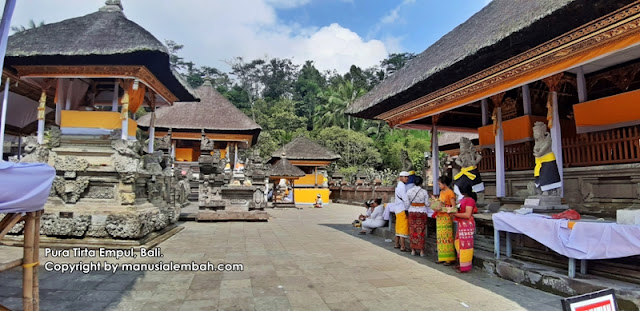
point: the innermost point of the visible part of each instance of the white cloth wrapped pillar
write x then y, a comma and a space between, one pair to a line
556, 138
114, 100
152, 130
499, 144
526, 99
69, 92
173, 150
582, 85
3, 117
41, 111
60, 99
435, 159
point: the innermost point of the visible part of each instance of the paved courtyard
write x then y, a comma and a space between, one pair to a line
308, 259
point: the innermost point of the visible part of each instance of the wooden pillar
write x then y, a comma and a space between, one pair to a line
499, 145
27, 261
36, 259
3, 117
60, 99
582, 85
316, 175
526, 99
553, 83
485, 111
435, 156
114, 100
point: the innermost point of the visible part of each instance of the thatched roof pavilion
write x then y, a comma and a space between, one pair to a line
283, 169
104, 40
501, 30
214, 113
303, 150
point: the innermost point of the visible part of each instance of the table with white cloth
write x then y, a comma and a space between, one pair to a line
582, 240
24, 189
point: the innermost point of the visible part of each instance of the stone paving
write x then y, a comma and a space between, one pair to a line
308, 259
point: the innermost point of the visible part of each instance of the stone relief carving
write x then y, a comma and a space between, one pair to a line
163, 142
151, 163
406, 162
34, 152
70, 190
206, 144
468, 154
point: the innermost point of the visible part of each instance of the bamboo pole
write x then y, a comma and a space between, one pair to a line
27, 269
36, 259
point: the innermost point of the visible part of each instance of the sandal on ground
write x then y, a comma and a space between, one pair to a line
397, 246
448, 263
413, 253
460, 271
422, 254
439, 262
362, 232
404, 250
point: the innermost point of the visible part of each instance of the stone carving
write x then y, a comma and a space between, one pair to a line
162, 143
469, 174
543, 194
206, 144
468, 154
151, 163
70, 190
406, 162
546, 170
182, 189
96, 192
126, 157
34, 152
70, 163
54, 225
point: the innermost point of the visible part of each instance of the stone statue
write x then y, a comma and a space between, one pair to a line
34, 152
162, 143
469, 174
406, 162
151, 163
206, 144
546, 169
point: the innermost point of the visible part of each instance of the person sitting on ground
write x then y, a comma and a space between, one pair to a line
444, 224
466, 228
367, 204
288, 196
318, 203
375, 219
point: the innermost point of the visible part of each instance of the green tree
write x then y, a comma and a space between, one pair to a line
355, 149
175, 60
309, 83
394, 62
394, 141
337, 99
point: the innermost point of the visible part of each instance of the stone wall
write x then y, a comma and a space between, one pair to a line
594, 190
360, 194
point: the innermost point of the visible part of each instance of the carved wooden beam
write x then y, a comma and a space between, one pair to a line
553, 82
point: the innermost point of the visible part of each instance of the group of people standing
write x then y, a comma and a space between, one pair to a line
412, 210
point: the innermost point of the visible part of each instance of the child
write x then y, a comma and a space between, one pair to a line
318, 203
466, 228
444, 224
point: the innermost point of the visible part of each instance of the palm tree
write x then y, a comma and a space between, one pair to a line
337, 99
32, 24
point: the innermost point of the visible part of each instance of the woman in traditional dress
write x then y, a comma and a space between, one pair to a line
419, 211
375, 219
466, 228
444, 224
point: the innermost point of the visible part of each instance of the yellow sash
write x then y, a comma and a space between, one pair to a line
545, 158
467, 172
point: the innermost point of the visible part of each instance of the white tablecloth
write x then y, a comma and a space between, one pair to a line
587, 240
24, 187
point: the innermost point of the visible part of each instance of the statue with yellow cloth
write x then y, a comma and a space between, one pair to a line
546, 169
469, 174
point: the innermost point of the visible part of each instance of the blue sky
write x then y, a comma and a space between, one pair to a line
332, 33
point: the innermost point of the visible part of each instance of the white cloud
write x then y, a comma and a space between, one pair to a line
288, 4
217, 31
391, 17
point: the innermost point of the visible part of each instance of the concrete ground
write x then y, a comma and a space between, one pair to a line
308, 259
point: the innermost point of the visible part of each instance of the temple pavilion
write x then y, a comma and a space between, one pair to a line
75, 85
572, 64
214, 117
313, 160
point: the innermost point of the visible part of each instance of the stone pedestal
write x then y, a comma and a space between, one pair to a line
545, 202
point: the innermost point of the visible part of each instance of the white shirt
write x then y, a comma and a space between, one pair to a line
369, 211
377, 213
401, 199
420, 196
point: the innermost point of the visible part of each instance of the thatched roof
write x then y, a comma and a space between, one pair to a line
105, 37
214, 113
284, 168
501, 30
301, 148
449, 138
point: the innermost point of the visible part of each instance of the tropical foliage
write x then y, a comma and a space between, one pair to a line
289, 100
